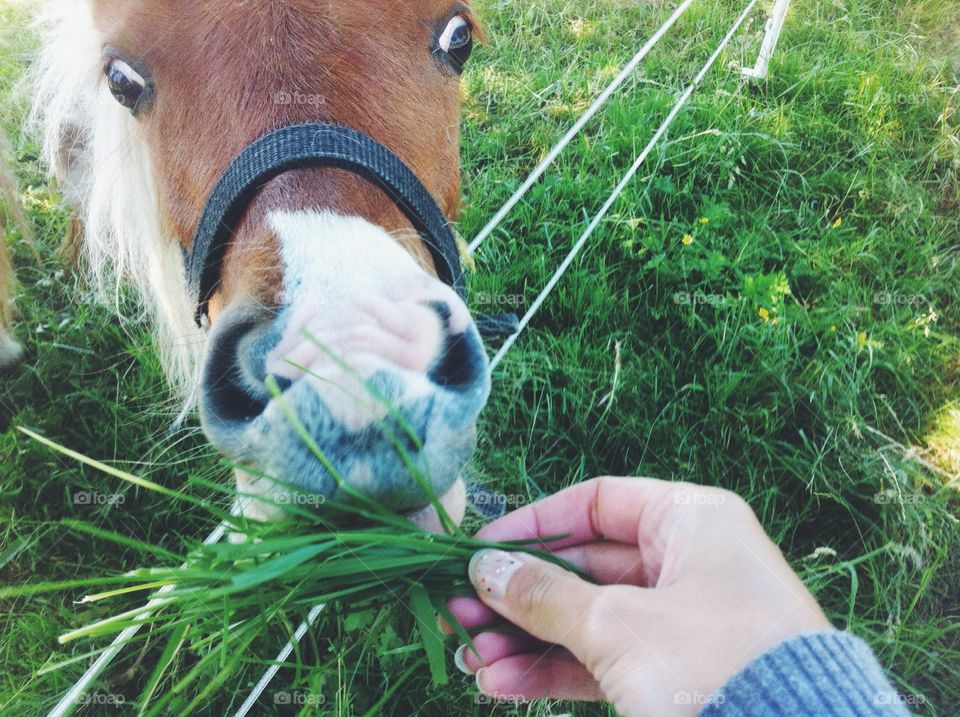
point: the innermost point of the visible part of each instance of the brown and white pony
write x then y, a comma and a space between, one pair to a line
10, 351
142, 104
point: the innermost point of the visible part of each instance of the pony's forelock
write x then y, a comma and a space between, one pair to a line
94, 148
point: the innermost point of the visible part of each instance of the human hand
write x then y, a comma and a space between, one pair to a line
690, 590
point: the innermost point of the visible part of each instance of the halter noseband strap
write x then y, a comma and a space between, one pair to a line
313, 145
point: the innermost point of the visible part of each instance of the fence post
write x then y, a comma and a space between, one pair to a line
774, 28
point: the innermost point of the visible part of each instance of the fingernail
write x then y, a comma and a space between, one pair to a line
460, 662
490, 572
477, 680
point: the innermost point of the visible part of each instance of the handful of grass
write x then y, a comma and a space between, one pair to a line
215, 603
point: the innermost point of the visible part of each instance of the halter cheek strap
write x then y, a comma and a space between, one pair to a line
313, 145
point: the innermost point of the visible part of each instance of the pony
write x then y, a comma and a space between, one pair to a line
10, 350
328, 320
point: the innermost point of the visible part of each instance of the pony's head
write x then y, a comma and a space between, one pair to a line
325, 292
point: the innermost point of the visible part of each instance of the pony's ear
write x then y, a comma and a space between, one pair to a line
479, 34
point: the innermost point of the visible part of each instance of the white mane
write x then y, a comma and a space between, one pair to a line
93, 146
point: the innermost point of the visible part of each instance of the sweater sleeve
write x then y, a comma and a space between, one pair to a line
833, 674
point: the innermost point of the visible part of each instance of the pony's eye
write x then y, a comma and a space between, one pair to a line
457, 40
126, 84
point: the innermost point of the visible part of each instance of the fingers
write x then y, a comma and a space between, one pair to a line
654, 515
612, 508
543, 599
472, 614
490, 647
606, 563
555, 674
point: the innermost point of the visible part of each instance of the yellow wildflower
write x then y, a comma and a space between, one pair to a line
838, 223
465, 257
764, 314
687, 239
704, 220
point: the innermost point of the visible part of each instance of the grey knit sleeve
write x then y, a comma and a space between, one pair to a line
833, 674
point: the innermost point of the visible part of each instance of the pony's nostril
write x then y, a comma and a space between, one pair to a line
461, 362
230, 395
230, 402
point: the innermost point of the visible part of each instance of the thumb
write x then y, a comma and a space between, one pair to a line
543, 599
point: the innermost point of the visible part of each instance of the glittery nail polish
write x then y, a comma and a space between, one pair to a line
491, 570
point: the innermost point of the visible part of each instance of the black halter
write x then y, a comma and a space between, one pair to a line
313, 145
322, 145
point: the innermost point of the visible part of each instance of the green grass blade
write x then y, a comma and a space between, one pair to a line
433, 642
175, 642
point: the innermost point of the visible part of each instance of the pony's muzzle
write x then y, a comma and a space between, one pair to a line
371, 392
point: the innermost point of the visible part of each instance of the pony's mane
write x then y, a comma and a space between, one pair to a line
94, 148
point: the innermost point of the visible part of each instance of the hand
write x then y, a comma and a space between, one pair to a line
690, 589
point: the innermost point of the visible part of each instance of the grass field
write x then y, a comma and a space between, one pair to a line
801, 346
